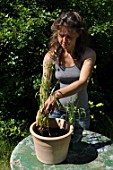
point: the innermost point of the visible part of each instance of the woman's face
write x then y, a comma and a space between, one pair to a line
67, 38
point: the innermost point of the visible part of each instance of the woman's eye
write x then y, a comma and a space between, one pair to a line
61, 35
68, 37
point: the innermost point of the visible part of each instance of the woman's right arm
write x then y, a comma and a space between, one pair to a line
48, 64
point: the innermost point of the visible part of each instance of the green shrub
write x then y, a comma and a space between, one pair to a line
24, 35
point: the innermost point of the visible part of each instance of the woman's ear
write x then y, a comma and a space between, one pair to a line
79, 33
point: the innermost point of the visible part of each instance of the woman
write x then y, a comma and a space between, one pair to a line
73, 62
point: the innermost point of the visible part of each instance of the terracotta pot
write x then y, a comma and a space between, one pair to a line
52, 150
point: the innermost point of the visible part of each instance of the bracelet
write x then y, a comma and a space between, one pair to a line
58, 94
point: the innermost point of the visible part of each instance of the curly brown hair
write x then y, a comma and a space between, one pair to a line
71, 20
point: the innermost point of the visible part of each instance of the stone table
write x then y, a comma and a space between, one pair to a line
92, 152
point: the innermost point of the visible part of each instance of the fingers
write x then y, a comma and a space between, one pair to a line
37, 116
36, 121
47, 108
49, 104
52, 109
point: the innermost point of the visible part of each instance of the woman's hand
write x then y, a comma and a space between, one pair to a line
47, 108
49, 104
51, 101
37, 116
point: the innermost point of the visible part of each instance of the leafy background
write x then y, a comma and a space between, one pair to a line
24, 35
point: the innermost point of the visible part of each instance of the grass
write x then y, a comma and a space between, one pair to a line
5, 152
6, 149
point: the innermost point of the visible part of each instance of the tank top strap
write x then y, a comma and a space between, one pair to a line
56, 58
80, 62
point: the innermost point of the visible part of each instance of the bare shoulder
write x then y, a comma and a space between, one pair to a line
89, 54
49, 58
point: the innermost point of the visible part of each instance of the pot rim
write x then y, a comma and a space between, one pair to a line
50, 138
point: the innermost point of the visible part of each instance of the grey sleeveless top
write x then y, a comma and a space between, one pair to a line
67, 75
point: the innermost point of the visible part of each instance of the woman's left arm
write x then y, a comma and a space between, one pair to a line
89, 59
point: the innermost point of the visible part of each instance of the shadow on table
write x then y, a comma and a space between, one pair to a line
82, 152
